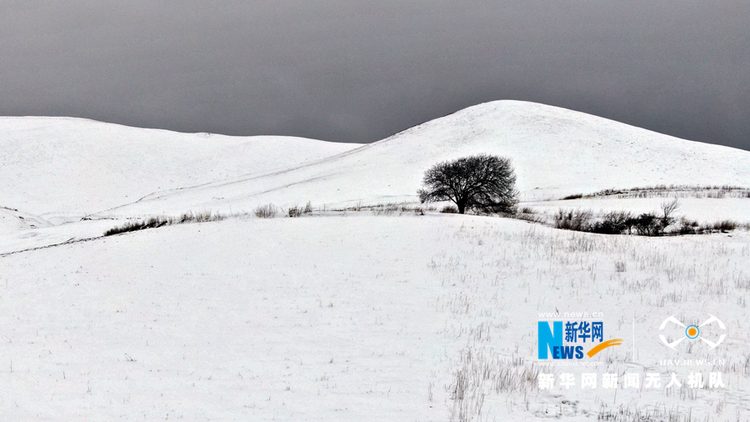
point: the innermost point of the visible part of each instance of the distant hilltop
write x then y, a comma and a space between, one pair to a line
77, 167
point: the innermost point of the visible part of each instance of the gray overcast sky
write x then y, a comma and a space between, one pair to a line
355, 70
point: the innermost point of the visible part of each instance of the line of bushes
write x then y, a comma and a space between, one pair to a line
645, 224
161, 221
615, 222
390, 208
663, 191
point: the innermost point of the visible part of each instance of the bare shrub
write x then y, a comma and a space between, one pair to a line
648, 224
266, 211
579, 220
688, 227
667, 209
620, 266
724, 226
615, 222
297, 211
449, 209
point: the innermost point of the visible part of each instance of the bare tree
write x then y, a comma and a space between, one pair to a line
483, 183
667, 209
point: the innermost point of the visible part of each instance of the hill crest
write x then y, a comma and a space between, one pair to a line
556, 152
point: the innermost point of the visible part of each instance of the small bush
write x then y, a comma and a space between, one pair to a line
668, 209
647, 224
449, 209
298, 211
724, 226
688, 227
573, 220
615, 222
266, 211
203, 217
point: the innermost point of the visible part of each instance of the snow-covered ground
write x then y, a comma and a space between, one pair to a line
357, 315
63, 167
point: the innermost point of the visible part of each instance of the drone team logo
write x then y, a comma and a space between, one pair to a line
692, 332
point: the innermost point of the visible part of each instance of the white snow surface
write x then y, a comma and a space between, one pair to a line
360, 318
65, 166
12, 221
556, 152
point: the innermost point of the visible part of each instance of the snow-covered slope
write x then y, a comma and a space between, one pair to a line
556, 152
76, 166
11, 221
360, 318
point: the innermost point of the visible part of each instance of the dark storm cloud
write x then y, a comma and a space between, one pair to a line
360, 71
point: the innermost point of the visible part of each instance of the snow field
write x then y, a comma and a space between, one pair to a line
65, 168
355, 317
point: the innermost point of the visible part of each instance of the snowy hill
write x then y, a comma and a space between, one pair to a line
353, 316
556, 152
11, 221
65, 166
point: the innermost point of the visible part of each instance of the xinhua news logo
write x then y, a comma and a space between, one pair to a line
572, 339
